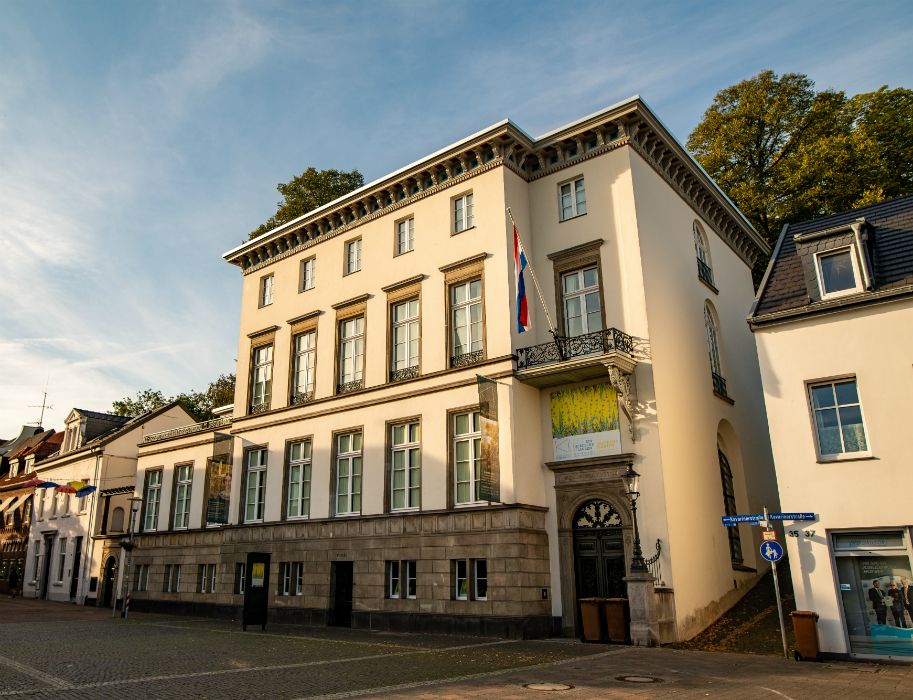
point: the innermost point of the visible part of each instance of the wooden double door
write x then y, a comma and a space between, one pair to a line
599, 563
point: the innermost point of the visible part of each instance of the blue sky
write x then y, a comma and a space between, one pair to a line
141, 140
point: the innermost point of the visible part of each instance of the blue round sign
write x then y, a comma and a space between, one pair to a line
772, 551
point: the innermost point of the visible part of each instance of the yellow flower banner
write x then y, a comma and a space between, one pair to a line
585, 422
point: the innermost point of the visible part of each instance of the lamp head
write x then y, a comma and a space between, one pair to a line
631, 481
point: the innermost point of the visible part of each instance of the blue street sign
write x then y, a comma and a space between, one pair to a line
793, 516
772, 551
733, 520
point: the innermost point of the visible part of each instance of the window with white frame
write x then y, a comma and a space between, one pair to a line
255, 486
470, 579
298, 504
712, 329
304, 364
353, 256
729, 507
702, 252
572, 199
401, 579
152, 494
54, 502
466, 319
348, 473
266, 290
61, 558
837, 273
405, 337
839, 426
298, 578
480, 578
172, 579
467, 456
240, 575
64, 504
462, 213
39, 511
351, 353
207, 578
183, 481
291, 578
582, 303
308, 274
141, 577
405, 235
261, 377
405, 466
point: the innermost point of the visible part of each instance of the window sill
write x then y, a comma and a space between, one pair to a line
462, 230
709, 285
403, 511
351, 272
347, 515
473, 504
405, 252
571, 218
738, 566
724, 397
851, 457
305, 289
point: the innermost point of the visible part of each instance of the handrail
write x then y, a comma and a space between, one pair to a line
565, 347
187, 430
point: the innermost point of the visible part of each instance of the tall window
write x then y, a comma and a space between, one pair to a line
582, 305
304, 363
353, 256
183, 481
151, 499
466, 320
172, 579
467, 454
405, 338
713, 348
405, 236
351, 354
262, 378
40, 496
266, 290
240, 574
299, 480
838, 418
61, 557
348, 473
218, 490
572, 199
291, 578
462, 213
308, 274
470, 579
702, 252
255, 488
401, 579
207, 578
406, 461
735, 544
141, 577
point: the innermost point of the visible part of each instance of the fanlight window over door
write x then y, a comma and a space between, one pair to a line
596, 514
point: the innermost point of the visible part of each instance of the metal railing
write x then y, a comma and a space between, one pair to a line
345, 388
654, 565
466, 359
719, 384
187, 430
705, 273
567, 347
301, 397
398, 375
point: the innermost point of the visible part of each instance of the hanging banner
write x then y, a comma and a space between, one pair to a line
585, 422
490, 477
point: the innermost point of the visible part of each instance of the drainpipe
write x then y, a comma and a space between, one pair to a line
863, 258
90, 539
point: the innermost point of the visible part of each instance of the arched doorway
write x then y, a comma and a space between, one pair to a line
108, 581
599, 555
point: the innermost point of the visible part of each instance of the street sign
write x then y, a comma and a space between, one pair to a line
769, 535
772, 551
793, 516
733, 520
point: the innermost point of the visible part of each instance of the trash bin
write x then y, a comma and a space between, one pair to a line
805, 628
591, 618
617, 620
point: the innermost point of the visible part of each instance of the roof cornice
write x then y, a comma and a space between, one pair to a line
630, 122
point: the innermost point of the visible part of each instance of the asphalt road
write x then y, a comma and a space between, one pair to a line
63, 651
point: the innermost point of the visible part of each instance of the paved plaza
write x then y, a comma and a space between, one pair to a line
63, 651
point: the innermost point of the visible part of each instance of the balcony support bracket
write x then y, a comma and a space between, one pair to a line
623, 383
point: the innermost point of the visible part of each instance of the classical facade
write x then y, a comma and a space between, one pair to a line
387, 486
834, 326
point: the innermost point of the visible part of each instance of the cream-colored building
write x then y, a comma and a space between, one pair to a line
357, 451
834, 328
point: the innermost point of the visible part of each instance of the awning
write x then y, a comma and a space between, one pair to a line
12, 503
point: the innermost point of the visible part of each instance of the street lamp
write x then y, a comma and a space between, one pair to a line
128, 547
631, 481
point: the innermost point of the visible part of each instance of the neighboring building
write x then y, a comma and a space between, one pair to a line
833, 323
75, 541
360, 460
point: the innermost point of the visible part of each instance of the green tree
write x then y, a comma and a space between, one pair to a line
199, 404
144, 401
304, 193
784, 152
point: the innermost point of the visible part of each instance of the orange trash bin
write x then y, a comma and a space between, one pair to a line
805, 627
617, 620
591, 618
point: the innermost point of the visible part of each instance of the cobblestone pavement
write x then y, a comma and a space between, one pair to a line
53, 650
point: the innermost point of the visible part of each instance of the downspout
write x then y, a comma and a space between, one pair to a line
90, 539
863, 258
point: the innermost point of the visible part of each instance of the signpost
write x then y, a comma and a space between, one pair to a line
771, 550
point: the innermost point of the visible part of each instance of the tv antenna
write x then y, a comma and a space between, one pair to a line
44, 405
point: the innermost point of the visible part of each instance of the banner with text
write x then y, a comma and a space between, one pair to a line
585, 422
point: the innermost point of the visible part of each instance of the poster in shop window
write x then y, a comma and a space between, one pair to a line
585, 422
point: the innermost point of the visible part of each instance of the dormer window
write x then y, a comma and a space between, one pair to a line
837, 273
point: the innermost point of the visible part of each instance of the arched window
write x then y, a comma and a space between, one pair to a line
735, 544
702, 252
117, 520
712, 327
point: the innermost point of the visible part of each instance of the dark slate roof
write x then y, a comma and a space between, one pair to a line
26, 432
98, 415
891, 230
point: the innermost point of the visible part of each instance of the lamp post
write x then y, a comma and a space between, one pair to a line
631, 481
128, 547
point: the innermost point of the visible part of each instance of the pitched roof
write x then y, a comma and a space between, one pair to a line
26, 432
890, 225
30, 445
98, 415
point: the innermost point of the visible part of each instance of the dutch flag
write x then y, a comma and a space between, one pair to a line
520, 263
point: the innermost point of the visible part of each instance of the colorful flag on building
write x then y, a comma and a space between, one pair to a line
520, 263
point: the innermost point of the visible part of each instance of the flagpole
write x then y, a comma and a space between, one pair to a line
532, 274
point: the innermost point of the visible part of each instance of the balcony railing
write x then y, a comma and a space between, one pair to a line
705, 273
346, 387
568, 347
466, 359
398, 375
301, 397
719, 384
187, 430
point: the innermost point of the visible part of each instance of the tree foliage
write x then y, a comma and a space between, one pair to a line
199, 404
304, 193
784, 152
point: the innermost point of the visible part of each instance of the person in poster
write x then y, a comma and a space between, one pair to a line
893, 595
877, 596
906, 593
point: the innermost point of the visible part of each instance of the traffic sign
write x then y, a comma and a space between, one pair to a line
793, 516
769, 535
733, 520
772, 551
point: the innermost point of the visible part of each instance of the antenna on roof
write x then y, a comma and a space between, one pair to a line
44, 405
